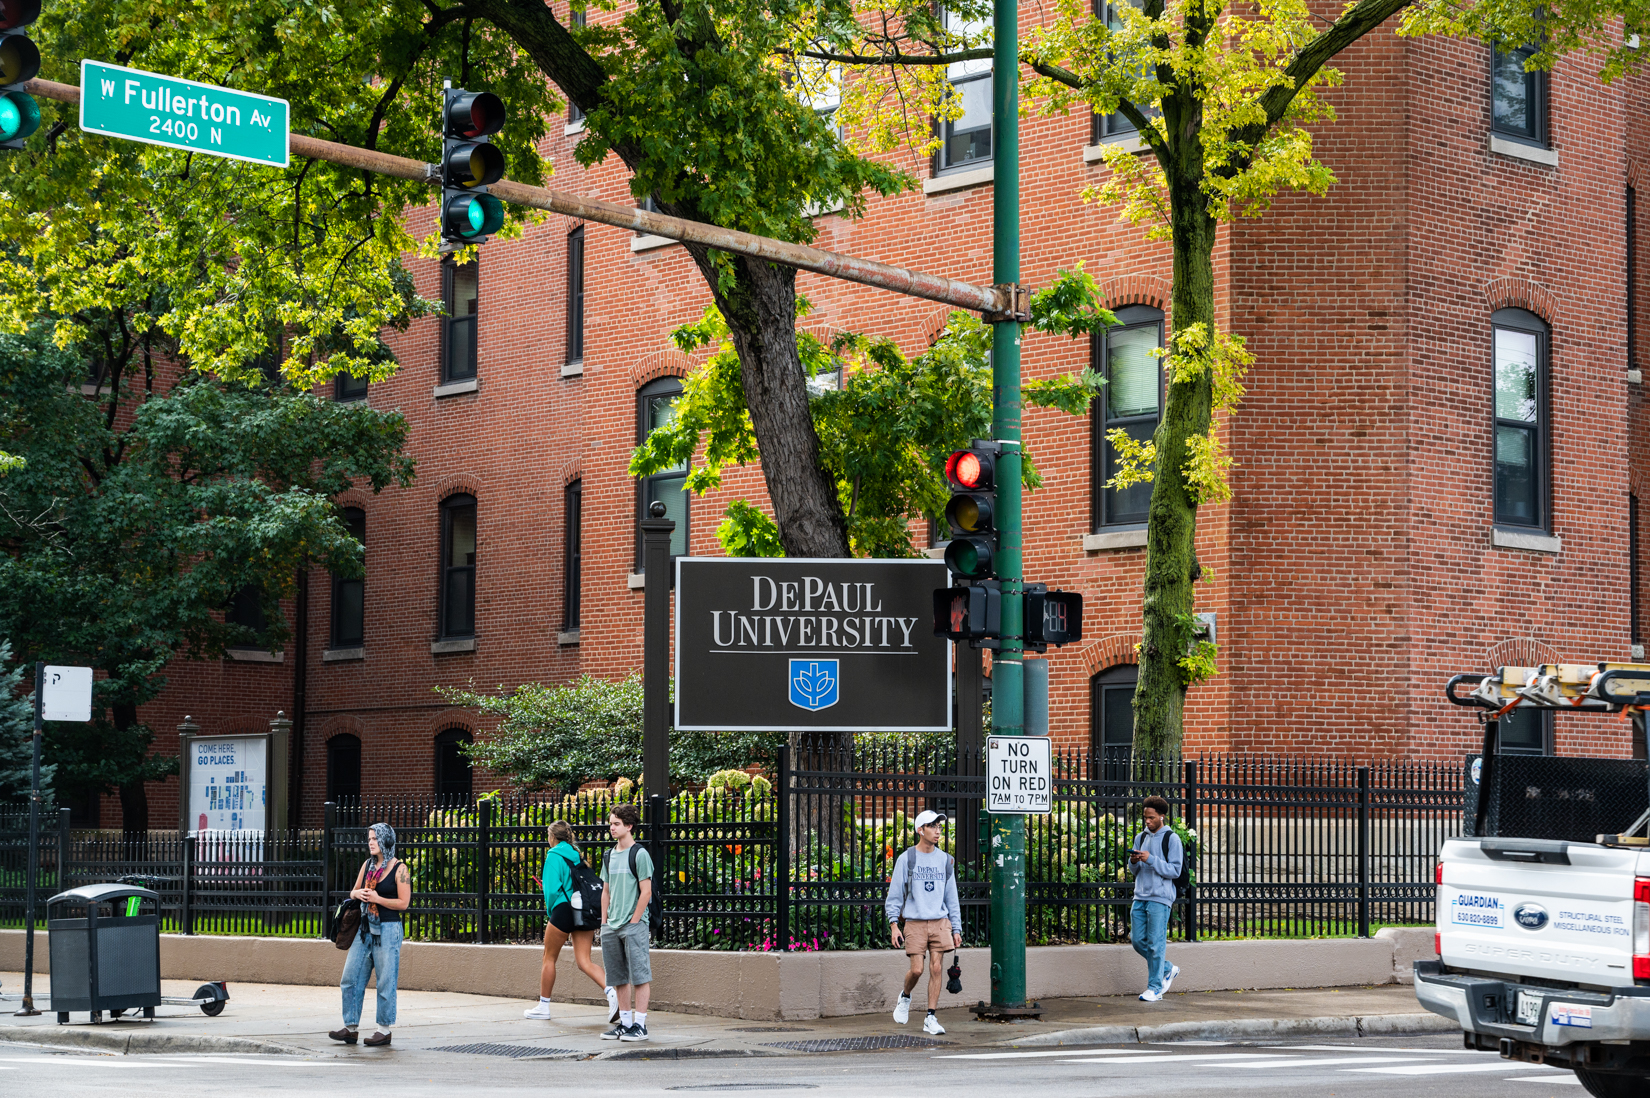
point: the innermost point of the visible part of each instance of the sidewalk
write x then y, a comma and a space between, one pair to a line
284, 1018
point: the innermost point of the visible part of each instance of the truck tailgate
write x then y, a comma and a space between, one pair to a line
1516, 908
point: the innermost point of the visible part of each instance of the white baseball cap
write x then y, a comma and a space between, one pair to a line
929, 816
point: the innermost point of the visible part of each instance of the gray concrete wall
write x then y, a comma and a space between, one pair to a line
795, 986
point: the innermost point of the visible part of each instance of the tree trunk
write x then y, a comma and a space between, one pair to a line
1171, 524
760, 310
134, 798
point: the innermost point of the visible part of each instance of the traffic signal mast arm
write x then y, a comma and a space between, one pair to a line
993, 301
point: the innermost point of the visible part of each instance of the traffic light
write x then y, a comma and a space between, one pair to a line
1052, 617
967, 613
469, 162
19, 63
972, 476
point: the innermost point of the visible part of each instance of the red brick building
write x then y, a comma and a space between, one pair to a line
1435, 463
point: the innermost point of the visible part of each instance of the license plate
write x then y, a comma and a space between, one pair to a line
1527, 1009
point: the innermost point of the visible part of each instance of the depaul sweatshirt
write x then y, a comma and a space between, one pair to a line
933, 888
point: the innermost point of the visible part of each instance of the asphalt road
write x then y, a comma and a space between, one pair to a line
1406, 1067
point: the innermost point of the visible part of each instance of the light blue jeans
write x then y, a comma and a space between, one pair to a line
1149, 933
363, 960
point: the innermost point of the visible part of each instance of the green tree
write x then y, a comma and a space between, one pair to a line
1224, 96
17, 732
694, 99
558, 737
886, 422
140, 512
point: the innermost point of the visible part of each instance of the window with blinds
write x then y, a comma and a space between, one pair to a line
1130, 402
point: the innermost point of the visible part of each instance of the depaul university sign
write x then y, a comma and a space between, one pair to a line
810, 645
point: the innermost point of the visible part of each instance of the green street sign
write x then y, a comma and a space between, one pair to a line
182, 114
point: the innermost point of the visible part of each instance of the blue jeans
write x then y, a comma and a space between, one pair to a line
1149, 933
363, 959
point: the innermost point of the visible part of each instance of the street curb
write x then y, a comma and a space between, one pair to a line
688, 1053
128, 1044
1367, 1025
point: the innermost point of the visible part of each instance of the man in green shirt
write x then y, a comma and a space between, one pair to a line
628, 873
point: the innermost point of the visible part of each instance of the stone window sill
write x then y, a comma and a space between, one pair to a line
636, 581
572, 128
453, 644
1128, 142
1114, 539
343, 655
458, 388
573, 369
647, 242
567, 638
1528, 540
936, 553
957, 181
254, 655
1518, 150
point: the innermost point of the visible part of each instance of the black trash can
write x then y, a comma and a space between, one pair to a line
105, 950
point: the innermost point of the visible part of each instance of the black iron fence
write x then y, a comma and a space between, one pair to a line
1281, 848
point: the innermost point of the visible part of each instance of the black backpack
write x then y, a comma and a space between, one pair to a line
1184, 881
655, 902
589, 888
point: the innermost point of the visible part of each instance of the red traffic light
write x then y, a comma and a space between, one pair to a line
474, 114
970, 469
18, 13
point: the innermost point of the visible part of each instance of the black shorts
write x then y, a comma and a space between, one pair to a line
561, 917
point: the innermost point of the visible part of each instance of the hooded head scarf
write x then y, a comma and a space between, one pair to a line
386, 839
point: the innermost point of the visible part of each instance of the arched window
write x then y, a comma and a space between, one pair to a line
1111, 721
656, 407
1521, 431
349, 595
458, 566
344, 768
1130, 402
453, 778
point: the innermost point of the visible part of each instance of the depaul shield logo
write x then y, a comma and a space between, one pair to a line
814, 684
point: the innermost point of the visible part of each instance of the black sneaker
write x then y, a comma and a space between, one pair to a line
617, 1032
637, 1032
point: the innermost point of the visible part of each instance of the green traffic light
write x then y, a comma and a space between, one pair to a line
19, 115
476, 216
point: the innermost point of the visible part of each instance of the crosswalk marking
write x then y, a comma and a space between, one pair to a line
1554, 1080
1179, 1058
1378, 1048
1057, 1052
1318, 1061
1442, 1069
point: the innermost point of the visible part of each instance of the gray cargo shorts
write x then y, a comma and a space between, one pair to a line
624, 954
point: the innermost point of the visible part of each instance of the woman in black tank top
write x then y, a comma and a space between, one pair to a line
384, 889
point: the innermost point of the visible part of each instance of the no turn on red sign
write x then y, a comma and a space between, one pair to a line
1019, 775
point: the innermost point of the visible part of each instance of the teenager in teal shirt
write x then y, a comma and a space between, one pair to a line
557, 882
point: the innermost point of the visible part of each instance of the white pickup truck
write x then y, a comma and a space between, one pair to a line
1544, 955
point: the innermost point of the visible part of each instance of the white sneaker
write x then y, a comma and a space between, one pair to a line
902, 1012
1150, 996
931, 1024
612, 1006
540, 1013
1174, 970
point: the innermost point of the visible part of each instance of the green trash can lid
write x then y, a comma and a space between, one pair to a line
88, 894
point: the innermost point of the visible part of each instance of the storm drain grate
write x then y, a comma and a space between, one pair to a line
857, 1044
514, 1052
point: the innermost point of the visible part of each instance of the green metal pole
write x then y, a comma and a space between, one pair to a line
1008, 837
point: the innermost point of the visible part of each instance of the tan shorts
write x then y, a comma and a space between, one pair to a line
927, 935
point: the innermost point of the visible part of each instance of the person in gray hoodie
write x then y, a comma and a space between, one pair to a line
923, 891
1155, 861
563, 923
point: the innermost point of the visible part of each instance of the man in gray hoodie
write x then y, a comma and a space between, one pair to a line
923, 891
